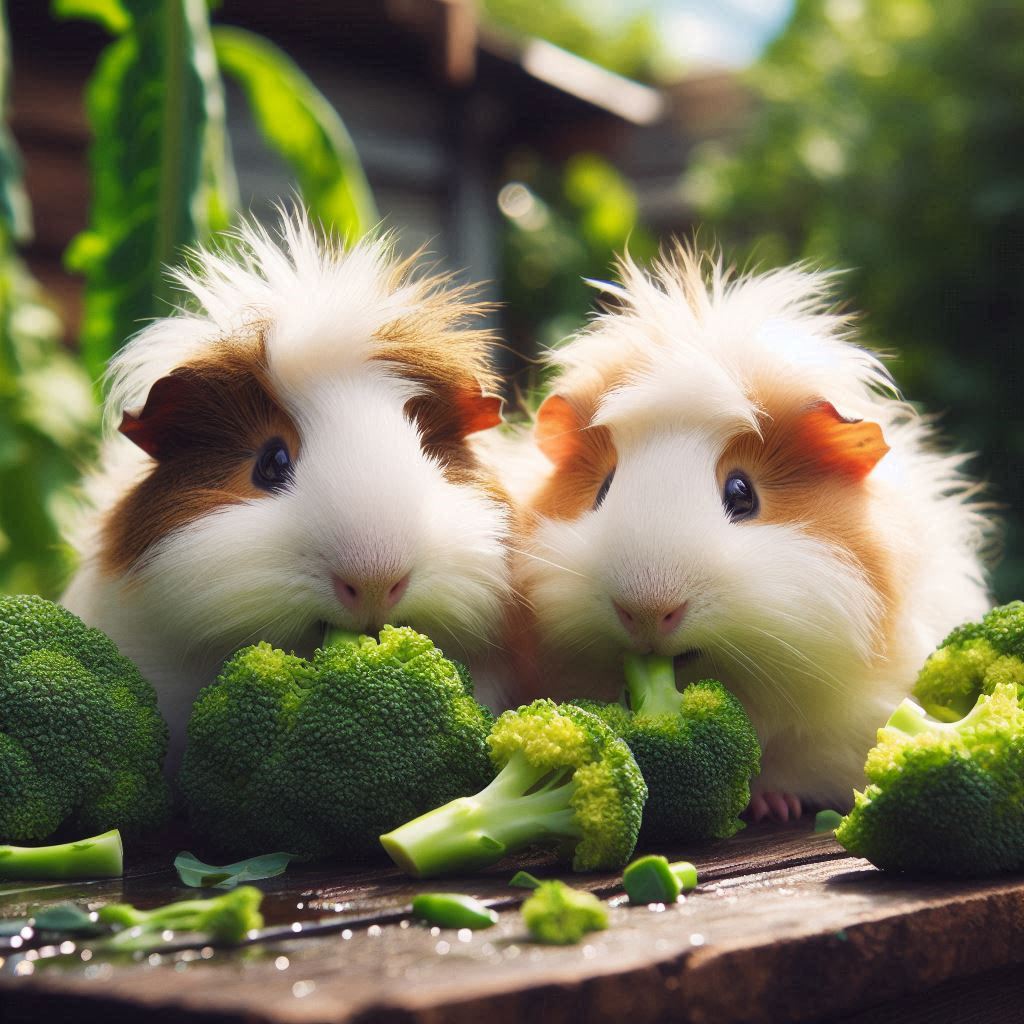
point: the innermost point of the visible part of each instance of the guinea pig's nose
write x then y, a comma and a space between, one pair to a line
372, 595
641, 622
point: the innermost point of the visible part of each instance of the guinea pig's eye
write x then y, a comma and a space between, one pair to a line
739, 497
273, 467
602, 492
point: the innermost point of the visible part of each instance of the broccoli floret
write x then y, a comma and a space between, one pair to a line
696, 748
96, 857
944, 798
82, 743
564, 780
320, 757
973, 660
560, 915
223, 919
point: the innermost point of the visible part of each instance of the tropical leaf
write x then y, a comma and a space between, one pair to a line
298, 121
159, 166
195, 873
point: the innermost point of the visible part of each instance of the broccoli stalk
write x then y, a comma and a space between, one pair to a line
564, 779
524, 803
224, 919
651, 684
911, 719
99, 857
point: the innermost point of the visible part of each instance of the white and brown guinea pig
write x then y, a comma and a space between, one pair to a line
294, 451
735, 483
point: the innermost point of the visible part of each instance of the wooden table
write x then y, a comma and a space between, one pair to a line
785, 926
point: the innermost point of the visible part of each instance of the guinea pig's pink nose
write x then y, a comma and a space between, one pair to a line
641, 622
361, 597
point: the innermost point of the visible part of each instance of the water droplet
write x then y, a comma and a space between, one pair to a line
465, 935
404, 923
589, 952
346, 934
86, 955
155, 959
656, 908
206, 952
373, 931
281, 963
167, 935
296, 926
301, 989
435, 931
299, 906
696, 939
17, 942
25, 967
442, 947
67, 947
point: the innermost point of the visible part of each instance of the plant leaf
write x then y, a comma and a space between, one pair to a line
109, 13
67, 918
151, 102
298, 121
195, 873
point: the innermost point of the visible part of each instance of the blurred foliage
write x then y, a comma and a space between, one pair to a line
889, 141
564, 225
629, 46
47, 413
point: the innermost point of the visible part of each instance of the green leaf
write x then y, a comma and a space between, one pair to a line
195, 873
67, 918
111, 14
159, 165
298, 122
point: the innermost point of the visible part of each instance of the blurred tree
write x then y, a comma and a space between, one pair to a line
564, 226
890, 140
629, 46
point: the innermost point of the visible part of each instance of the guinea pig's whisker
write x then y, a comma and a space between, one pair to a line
547, 561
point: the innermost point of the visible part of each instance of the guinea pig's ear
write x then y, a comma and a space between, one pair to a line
851, 448
556, 429
478, 412
159, 428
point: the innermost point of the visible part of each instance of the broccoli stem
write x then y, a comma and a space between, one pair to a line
101, 856
910, 718
523, 805
339, 637
651, 684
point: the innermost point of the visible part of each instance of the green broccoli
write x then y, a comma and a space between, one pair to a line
560, 915
82, 743
944, 798
319, 757
95, 857
564, 780
696, 748
971, 661
225, 920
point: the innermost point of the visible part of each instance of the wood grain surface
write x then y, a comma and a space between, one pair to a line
784, 926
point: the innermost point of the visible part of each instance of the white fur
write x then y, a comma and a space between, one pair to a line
788, 623
365, 501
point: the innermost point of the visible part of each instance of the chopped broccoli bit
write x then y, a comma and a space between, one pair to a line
973, 660
564, 780
827, 821
82, 743
524, 880
99, 857
653, 879
341, 748
453, 910
560, 915
944, 798
696, 748
225, 919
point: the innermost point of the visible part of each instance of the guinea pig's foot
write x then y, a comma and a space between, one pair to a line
781, 807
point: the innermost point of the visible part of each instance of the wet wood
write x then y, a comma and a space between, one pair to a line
784, 926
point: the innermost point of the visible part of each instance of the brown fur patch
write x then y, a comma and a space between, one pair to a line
796, 488
224, 411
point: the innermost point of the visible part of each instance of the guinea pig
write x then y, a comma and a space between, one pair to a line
733, 482
294, 451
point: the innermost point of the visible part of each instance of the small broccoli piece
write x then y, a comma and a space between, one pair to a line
560, 915
973, 660
652, 879
696, 748
82, 743
225, 920
98, 857
944, 798
320, 757
564, 780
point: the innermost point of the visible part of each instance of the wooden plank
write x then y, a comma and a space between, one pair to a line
820, 935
